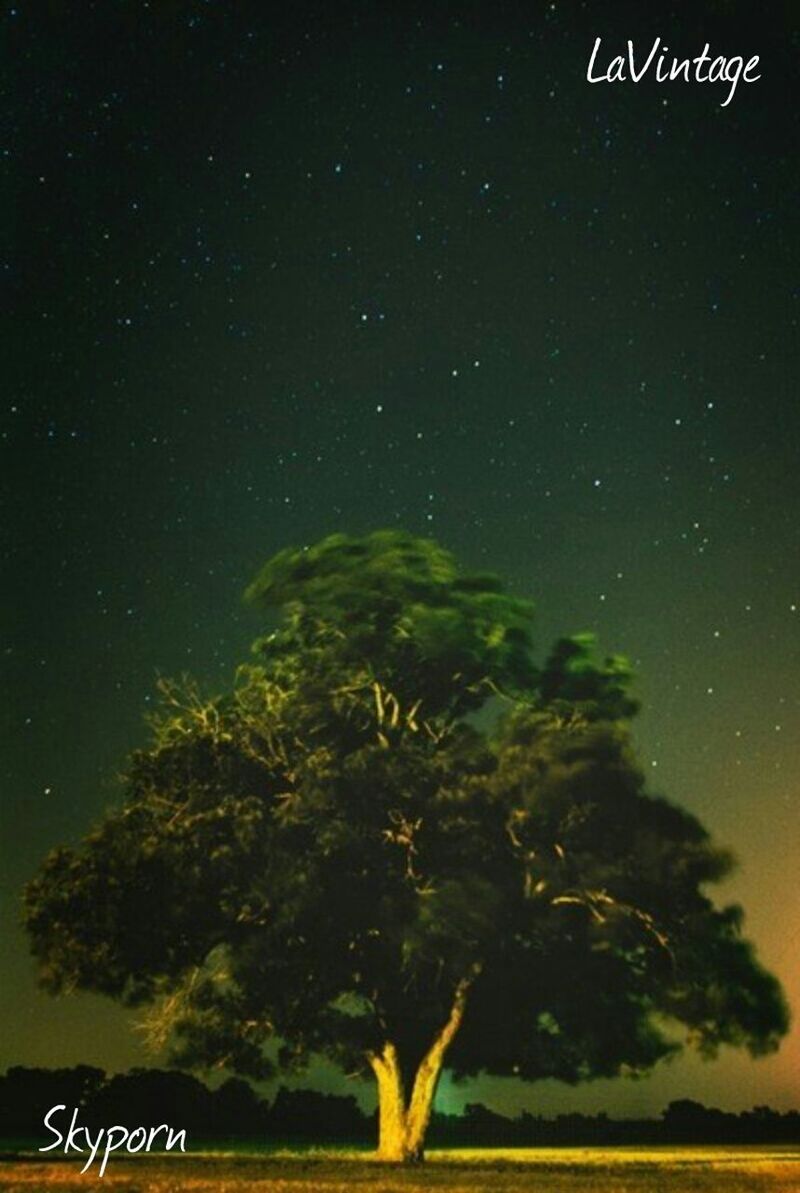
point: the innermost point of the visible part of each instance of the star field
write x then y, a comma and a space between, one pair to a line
269, 277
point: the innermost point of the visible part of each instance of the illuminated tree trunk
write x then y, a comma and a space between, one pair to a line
391, 1105
403, 1123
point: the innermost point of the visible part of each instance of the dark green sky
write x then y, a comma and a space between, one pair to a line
267, 278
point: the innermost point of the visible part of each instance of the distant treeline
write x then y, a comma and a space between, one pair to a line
148, 1097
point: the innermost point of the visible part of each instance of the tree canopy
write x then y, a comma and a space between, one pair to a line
398, 841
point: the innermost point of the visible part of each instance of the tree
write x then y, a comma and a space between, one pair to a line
397, 841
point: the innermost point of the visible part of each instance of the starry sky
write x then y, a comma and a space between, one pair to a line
272, 272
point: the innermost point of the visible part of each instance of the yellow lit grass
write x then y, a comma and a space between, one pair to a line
463, 1170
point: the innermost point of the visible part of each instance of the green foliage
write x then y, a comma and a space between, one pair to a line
571, 675
399, 604
321, 855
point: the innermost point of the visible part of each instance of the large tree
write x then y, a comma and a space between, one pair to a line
396, 842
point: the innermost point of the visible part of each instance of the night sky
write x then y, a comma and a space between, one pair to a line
270, 276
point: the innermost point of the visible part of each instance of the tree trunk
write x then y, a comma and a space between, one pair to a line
402, 1125
391, 1104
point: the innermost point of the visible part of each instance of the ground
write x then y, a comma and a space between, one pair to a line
543, 1170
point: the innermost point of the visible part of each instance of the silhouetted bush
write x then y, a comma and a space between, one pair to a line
149, 1097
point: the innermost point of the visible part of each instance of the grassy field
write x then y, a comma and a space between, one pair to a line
572, 1170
